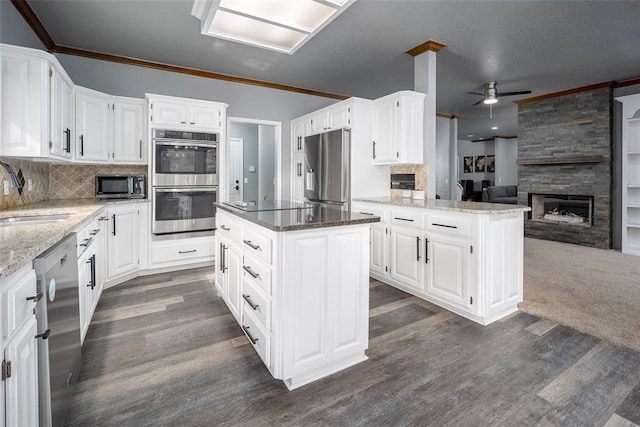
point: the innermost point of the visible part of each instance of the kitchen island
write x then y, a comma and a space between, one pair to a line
464, 256
296, 278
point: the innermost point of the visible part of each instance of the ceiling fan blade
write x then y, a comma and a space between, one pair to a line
475, 93
479, 102
522, 92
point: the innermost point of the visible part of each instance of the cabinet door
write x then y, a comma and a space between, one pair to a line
220, 270
233, 267
21, 388
168, 113
407, 262
410, 128
204, 117
23, 116
92, 123
447, 270
297, 137
83, 295
339, 117
123, 240
318, 123
61, 115
378, 250
128, 137
297, 180
385, 148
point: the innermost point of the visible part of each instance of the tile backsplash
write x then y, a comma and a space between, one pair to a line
38, 173
56, 181
420, 172
78, 181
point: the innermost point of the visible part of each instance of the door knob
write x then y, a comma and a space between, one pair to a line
237, 187
237, 181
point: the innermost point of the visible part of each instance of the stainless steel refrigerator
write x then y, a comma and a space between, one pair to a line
327, 161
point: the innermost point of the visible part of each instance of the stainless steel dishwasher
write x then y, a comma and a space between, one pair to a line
58, 315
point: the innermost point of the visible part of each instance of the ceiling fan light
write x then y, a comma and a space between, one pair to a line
489, 101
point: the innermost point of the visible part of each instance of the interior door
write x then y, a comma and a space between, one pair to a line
235, 169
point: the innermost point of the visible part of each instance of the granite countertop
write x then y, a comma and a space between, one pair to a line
305, 218
20, 244
448, 205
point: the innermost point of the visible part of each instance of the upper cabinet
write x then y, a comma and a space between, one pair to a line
109, 129
92, 125
38, 91
335, 117
399, 129
186, 114
129, 130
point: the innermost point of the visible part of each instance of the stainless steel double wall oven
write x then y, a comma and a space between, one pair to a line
184, 181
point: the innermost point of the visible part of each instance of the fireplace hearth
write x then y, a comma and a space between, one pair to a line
570, 210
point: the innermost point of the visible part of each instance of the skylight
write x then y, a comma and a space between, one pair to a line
280, 25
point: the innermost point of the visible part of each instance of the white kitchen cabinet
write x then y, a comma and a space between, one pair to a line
407, 262
188, 114
34, 90
297, 182
18, 328
337, 116
129, 120
231, 275
447, 269
630, 174
378, 238
304, 295
21, 388
399, 129
297, 136
61, 111
91, 269
92, 125
180, 252
123, 239
439, 255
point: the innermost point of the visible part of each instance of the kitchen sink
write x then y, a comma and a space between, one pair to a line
32, 220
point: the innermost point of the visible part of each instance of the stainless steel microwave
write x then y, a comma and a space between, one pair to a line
120, 186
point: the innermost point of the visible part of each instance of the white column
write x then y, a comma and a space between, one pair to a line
424, 81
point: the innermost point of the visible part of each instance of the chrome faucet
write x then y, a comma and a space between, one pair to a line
13, 179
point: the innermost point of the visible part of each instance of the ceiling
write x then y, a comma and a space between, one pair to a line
542, 46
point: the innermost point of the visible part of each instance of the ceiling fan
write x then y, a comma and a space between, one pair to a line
491, 94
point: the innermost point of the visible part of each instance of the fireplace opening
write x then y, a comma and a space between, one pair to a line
576, 210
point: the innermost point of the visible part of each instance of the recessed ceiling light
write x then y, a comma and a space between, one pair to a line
470, 135
494, 127
280, 25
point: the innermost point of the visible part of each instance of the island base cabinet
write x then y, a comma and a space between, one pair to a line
325, 302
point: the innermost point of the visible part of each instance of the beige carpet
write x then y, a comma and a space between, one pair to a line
592, 290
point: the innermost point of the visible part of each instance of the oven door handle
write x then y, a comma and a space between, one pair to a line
185, 143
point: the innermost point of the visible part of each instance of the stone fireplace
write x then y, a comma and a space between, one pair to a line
565, 167
570, 210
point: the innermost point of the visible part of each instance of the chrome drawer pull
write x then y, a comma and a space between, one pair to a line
187, 252
225, 228
251, 245
403, 219
253, 340
251, 304
443, 225
248, 270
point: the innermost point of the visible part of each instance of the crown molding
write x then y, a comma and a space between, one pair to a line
431, 45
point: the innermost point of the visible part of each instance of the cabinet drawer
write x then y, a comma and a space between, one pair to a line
256, 302
15, 306
408, 217
176, 252
259, 338
451, 225
370, 210
257, 244
257, 271
226, 225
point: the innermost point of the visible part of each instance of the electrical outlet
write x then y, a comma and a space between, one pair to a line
406, 193
6, 187
30, 184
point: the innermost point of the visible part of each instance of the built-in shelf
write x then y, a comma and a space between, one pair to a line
560, 160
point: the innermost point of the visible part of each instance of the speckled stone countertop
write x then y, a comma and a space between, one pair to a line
20, 244
301, 219
448, 205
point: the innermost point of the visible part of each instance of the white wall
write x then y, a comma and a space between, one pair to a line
506, 167
468, 148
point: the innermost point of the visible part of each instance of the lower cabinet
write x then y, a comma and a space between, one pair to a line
440, 256
123, 246
303, 295
19, 386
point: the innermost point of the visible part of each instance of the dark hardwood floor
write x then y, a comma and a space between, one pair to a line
164, 350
